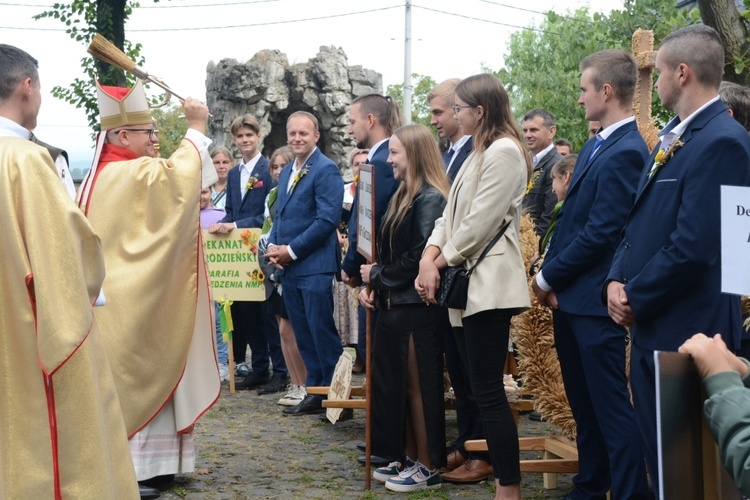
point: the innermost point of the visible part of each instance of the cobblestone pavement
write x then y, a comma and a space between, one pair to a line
247, 449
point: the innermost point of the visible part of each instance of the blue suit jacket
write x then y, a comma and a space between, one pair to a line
460, 158
248, 212
385, 186
589, 225
670, 258
307, 219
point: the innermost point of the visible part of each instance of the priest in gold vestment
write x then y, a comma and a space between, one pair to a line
62, 435
158, 322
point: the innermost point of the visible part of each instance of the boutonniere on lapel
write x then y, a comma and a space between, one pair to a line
533, 180
663, 157
298, 177
254, 182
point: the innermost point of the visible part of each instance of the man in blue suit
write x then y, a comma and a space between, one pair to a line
247, 187
590, 346
665, 279
304, 246
372, 120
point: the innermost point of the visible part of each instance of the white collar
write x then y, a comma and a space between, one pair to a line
375, 148
683, 125
10, 128
460, 143
611, 129
541, 154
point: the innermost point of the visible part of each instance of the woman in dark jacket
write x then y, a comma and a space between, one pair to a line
408, 426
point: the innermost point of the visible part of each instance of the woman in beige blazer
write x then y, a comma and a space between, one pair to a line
485, 195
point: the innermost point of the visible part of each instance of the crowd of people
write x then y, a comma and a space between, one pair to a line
625, 254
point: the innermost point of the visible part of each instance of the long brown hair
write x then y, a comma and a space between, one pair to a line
425, 167
497, 122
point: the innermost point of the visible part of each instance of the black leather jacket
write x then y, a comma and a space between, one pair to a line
398, 257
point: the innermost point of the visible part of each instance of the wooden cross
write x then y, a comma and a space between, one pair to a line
645, 57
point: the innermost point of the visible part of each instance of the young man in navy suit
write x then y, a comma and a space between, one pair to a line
372, 120
590, 345
304, 246
665, 279
247, 187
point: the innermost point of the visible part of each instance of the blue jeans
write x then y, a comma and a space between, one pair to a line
222, 350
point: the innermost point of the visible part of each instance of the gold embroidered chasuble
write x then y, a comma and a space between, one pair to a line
158, 322
62, 433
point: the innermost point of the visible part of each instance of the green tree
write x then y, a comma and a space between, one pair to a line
172, 126
542, 64
83, 19
420, 108
734, 28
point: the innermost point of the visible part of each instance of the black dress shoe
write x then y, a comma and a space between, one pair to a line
277, 384
252, 381
362, 447
147, 492
347, 414
309, 406
536, 416
375, 460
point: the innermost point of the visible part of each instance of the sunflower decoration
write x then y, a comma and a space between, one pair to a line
256, 275
250, 240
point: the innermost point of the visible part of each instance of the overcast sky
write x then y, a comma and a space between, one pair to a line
179, 38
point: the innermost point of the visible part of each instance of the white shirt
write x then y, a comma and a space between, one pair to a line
246, 169
668, 138
541, 154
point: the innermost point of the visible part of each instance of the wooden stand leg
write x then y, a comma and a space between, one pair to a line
368, 385
231, 366
549, 478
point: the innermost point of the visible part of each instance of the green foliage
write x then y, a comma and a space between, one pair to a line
172, 126
83, 19
542, 65
420, 108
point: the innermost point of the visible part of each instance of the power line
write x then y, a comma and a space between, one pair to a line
535, 11
487, 20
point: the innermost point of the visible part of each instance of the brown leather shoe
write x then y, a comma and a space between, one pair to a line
454, 461
473, 471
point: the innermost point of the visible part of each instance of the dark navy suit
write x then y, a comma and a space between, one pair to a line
461, 156
670, 258
306, 221
385, 186
263, 336
590, 346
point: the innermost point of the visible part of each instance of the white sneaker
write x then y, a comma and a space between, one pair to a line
294, 395
223, 372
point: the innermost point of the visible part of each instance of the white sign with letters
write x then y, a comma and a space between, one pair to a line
735, 240
366, 212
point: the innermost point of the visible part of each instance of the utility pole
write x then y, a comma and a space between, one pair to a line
407, 65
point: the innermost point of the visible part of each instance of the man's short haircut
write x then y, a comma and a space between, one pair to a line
246, 120
737, 98
698, 46
565, 164
307, 115
616, 68
15, 66
548, 119
445, 90
384, 108
564, 142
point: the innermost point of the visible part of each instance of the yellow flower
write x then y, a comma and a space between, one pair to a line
659, 156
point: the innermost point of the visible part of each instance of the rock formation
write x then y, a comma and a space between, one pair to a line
271, 89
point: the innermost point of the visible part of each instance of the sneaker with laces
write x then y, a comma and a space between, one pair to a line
242, 370
294, 395
415, 478
223, 372
393, 469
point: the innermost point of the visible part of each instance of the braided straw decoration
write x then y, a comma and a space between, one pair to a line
537, 359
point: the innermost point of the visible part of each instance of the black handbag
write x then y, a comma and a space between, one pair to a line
453, 292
